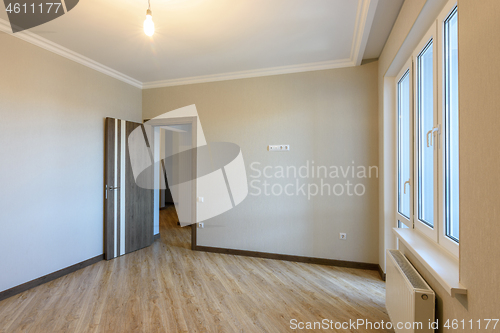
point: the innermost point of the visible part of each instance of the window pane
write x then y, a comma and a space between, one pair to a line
425, 123
404, 145
451, 125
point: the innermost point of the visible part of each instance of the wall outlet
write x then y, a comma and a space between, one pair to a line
278, 148
201, 225
200, 199
343, 236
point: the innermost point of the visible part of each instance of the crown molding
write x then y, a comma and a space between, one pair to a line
66, 53
315, 66
364, 20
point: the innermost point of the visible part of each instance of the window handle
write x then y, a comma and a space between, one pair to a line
431, 133
404, 185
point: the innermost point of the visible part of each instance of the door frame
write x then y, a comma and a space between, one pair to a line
193, 121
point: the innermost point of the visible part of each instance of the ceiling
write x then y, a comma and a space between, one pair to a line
210, 40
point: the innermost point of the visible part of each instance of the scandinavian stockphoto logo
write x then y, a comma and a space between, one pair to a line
24, 15
220, 179
310, 180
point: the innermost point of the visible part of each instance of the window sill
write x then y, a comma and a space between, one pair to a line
441, 265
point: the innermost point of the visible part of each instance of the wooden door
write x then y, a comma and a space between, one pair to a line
129, 209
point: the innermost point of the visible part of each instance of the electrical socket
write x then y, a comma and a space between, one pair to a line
278, 148
343, 236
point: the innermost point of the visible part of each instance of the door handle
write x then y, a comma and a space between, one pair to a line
111, 188
404, 186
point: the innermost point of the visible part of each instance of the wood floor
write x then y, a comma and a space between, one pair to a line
169, 288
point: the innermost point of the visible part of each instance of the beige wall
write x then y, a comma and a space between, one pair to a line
479, 46
479, 83
52, 114
329, 117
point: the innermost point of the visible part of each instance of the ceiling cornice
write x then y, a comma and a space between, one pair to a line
362, 28
315, 66
66, 53
364, 19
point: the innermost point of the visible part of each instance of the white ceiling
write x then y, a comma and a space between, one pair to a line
207, 40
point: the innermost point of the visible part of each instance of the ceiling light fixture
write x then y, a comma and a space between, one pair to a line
149, 26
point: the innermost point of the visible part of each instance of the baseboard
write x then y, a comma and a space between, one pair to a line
49, 277
381, 272
287, 257
310, 260
157, 236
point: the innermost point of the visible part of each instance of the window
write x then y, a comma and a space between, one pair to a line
426, 130
451, 125
404, 144
425, 126
427, 135
404, 147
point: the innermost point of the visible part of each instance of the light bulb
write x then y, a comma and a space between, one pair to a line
149, 26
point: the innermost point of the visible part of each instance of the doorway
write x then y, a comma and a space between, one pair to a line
174, 150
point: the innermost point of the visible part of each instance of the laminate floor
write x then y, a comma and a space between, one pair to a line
169, 288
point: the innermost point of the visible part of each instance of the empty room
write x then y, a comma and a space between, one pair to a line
249, 166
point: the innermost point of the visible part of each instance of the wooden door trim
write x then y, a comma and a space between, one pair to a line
108, 151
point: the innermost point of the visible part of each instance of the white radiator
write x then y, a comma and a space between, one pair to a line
409, 300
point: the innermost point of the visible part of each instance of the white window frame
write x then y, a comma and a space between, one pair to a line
408, 67
438, 232
430, 35
448, 243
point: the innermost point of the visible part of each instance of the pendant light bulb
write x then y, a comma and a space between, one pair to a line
149, 26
